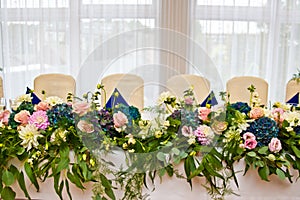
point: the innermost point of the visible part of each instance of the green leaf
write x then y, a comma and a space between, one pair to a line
161, 156
8, 178
31, 176
280, 174
68, 189
296, 151
251, 154
8, 194
22, 185
175, 151
75, 179
263, 150
264, 172
108, 189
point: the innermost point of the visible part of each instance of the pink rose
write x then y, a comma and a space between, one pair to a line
4, 116
256, 113
203, 113
120, 119
42, 106
81, 108
250, 144
278, 115
22, 117
187, 131
275, 145
84, 126
249, 136
188, 101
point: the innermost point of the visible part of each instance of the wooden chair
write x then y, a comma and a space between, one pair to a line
54, 85
130, 86
237, 89
292, 88
1, 87
179, 83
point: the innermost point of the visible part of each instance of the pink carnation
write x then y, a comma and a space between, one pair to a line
250, 144
39, 119
256, 112
120, 119
4, 116
275, 145
81, 108
22, 117
203, 113
42, 106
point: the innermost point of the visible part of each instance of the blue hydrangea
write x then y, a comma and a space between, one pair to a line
242, 107
61, 116
297, 130
131, 112
264, 129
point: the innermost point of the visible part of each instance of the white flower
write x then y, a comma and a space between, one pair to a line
23, 98
191, 140
29, 134
59, 133
54, 100
292, 118
163, 97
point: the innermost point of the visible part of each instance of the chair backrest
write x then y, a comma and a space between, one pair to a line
1, 87
130, 86
292, 88
237, 88
179, 83
54, 85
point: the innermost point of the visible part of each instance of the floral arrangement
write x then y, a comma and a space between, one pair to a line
80, 141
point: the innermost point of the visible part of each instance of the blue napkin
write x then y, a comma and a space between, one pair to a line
35, 99
210, 99
294, 100
116, 99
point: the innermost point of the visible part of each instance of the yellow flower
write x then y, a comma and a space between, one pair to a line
29, 134
158, 134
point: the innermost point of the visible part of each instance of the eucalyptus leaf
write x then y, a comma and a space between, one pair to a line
8, 178
280, 174
251, 154
8, 194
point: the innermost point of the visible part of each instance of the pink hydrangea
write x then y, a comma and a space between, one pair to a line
39, 119
275, 145
188, 101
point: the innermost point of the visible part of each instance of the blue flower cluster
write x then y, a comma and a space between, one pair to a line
242, 107
264, 130
61, 115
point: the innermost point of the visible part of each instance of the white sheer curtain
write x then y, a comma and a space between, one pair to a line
256, 38
244, 37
